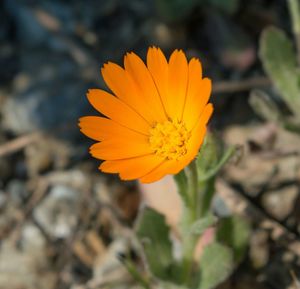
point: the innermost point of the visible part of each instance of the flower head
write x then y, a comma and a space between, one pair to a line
155, 120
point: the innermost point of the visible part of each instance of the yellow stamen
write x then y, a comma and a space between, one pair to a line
169, 139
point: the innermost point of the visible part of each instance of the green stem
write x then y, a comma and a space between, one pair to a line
226, 156
189, 216
206, 196
192, 181
136, 274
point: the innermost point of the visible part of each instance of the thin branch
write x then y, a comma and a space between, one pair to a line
18, 143
242, 85
283, 224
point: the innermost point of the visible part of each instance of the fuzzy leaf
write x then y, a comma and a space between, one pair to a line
181, 182
153, 233
264, 106
208, 155
202, 224
280, 63
292, 124
212, 158
234, 232
216, 264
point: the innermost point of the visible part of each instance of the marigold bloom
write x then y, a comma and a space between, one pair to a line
156, 120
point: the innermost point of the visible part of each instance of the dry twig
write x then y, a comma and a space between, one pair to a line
18, 143
242, 85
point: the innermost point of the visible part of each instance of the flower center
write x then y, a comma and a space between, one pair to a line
169, 139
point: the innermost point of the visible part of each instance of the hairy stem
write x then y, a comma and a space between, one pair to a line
189, 216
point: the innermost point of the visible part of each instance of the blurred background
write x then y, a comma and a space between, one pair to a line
62, 222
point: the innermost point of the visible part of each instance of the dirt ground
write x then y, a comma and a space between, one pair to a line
62, 222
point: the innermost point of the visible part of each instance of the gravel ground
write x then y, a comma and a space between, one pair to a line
62, 222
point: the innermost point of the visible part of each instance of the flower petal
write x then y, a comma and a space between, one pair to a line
122, 85
118, 111
177, 84
198, 93
158, 67
116, 79
205, 115
132, 168
145, 84
101, 128
121, 148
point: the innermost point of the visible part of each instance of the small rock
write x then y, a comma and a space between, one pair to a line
76, 179
279, 203
27, 267
57, 213
108, 266
272, 164
43, 106
259, 248
32, 240
17, 191
220, 207
45, 152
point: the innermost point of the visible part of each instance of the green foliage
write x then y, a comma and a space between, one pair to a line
212, 158
294, 8
202, 224
196, 185
234, 232
181, 182
216, 264
264, 106
292, 124
208, 155
134, 272
153, 233
280, 63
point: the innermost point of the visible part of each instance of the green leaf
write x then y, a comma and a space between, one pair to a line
234, 232
210, 161
202, 224
264, 106
294, 8
216, 264
132, 270
280, 63
208, 155
292, 124
219, 165
153, 233
181, 182
212, 157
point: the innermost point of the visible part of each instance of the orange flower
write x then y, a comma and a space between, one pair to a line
156, 120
